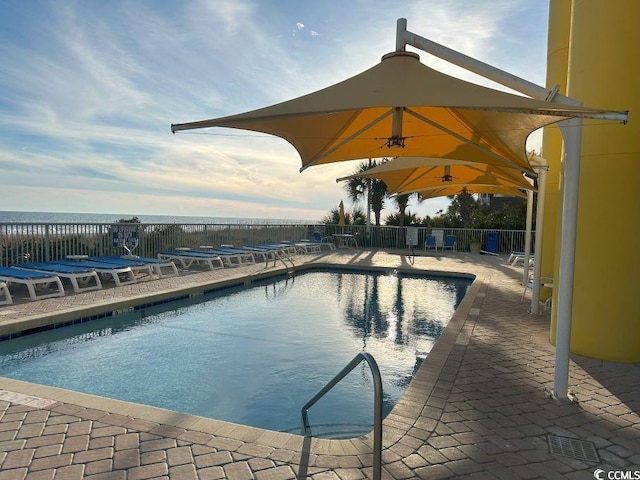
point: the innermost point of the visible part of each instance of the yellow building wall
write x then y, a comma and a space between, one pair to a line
604, 71
557, 65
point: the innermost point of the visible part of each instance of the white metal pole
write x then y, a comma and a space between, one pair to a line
405, 37
527, 239
369, 181
572, 134
537, 256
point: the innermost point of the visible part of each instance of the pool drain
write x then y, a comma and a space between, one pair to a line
572, 448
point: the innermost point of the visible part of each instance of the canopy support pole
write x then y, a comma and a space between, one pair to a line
572, 136
527, 238
537, 256
369, 182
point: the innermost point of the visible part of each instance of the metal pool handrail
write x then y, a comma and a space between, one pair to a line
377, 406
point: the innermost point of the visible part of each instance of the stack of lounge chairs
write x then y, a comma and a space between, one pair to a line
85, 273
39, 284
44, 279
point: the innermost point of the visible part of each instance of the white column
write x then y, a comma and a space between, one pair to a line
527, 239
572, 135
537, 259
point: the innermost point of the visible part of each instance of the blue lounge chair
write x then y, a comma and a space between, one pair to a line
32, 280
152, 265
121, 275
187, 258
82, 279
449, 242
5, 295
263, 254
430, 242
304, 247
136, 266
231, 256
278, 247
324, 241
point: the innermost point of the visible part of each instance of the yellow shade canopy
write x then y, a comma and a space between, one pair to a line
449, 191
413, 174
401, 107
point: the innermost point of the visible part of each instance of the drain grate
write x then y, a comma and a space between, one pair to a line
572, 448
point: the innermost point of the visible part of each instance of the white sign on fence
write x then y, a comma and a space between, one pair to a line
124, 235
412, 236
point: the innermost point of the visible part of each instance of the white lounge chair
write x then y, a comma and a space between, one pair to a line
5, 295
82, 279
263, 254
545, 281
161, 268
121, 275
517, 257
187, 258
304, 247
230, 255
324, 241
33, 281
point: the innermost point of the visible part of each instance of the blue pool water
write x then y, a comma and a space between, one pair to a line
252, 355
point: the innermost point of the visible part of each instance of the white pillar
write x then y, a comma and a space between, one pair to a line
369, 181
537, 259
572, 135
527, 239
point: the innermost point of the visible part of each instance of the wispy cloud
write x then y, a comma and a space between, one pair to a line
90, 91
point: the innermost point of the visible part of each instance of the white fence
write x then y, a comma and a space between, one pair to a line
21, 242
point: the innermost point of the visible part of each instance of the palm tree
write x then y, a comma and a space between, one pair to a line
461, 208
358, 188
401, 202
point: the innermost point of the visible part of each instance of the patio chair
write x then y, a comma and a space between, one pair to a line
121, 275
430, 242
228, 254
287, 248
324, 241
262, 254
517, 257
161, 268
545, 281
33, 281
5, 295
82, 279
304, 247
449, 242
187, 258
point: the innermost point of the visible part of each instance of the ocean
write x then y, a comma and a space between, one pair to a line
66, 217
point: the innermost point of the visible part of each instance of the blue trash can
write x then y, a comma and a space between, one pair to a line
492, 242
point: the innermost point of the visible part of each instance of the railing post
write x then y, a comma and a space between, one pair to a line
47, 244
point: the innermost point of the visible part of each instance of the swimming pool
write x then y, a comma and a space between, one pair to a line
253, 355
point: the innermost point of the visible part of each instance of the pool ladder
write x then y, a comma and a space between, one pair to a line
284, 258
377, 406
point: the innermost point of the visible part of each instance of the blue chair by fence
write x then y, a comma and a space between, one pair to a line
430, 242
449, 242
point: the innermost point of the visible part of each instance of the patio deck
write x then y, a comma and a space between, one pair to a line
477, 408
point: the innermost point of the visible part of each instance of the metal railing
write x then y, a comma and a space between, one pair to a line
377, 406
39, 242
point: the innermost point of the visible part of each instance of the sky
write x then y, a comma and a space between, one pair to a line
89, 90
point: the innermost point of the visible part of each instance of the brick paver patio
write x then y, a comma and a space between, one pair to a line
478, 407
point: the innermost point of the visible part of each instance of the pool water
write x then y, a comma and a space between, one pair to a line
253, 355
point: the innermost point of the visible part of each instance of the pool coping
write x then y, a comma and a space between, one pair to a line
405, 416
